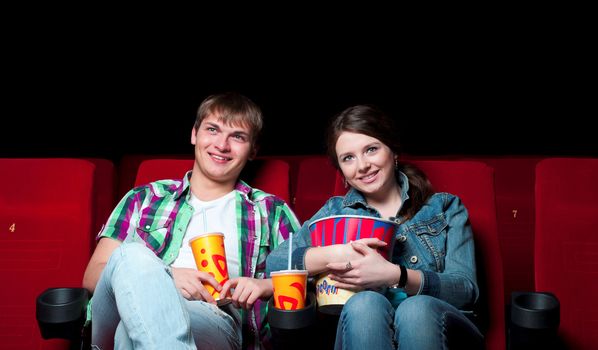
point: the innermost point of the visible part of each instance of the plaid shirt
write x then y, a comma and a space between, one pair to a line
159, 213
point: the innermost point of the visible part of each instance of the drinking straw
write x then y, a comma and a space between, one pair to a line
290, 249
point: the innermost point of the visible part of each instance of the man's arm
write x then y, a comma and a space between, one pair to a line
98, 261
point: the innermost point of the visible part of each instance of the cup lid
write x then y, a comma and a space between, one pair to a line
286, 272
206, 235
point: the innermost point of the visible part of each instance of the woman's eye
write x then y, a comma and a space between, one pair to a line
347, 158
371, 149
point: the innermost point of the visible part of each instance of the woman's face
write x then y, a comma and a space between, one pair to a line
367, 164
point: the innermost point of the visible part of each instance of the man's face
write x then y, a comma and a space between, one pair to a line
221, 150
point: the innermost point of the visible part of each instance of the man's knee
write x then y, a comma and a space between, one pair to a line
133, 256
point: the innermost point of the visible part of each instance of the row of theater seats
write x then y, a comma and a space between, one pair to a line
50, 209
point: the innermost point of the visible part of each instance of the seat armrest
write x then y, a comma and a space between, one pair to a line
61, 312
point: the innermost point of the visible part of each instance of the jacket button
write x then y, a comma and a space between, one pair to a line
402, 238
413, 259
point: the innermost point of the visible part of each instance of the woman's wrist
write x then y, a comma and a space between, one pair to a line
316, 258
395, 276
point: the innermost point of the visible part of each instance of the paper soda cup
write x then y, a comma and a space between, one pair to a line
210, 256
289, 289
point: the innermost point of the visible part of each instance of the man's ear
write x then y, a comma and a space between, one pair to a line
193, 136
253, 152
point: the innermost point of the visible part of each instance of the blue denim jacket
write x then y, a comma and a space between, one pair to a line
438, 241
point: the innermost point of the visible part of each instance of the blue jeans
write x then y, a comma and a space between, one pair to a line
137, 306
368, 321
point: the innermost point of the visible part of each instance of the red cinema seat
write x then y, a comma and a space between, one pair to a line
269, 175
45, 238
514, 179
315, 184
129, 165
103, 193
566, 244
473, 182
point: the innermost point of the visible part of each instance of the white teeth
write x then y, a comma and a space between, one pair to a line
220, 158
368, 177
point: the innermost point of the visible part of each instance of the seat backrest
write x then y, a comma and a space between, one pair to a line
315, 184
269, 175
566, 242
45, 233
514, 179
473, 182
104, 189
129, 165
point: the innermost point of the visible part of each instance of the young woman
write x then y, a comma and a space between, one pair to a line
433, 259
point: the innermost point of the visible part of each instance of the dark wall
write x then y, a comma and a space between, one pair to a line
65, 102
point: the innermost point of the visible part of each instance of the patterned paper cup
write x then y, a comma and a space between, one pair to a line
289, 289
210, 257
340, 229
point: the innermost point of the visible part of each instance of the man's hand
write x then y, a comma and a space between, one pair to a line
247, 290
189, 282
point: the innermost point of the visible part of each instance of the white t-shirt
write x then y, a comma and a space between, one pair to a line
212, 216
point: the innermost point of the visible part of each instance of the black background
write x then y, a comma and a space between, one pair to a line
474, 91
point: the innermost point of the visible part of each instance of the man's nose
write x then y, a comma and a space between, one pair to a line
222, 143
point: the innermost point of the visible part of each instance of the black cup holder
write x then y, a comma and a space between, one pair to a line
60, 312
535, 318
293, 319
293, 329
535, 310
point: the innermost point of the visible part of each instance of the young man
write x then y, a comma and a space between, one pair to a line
148, 293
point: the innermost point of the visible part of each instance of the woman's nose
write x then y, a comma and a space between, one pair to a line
363, 164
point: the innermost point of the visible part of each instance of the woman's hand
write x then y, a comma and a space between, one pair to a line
368, 271
349, 253
190, 283
247, 290
318, 258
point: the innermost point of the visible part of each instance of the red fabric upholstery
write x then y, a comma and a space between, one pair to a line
45, 233
514, 179
104, 186
129, 165
514, 183
566, 258
269, 175
473, 182
315, 184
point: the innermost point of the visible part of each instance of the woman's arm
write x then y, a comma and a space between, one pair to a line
457, 284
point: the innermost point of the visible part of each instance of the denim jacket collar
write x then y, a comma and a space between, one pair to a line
354, 197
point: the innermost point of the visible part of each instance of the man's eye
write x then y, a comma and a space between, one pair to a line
211, 129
